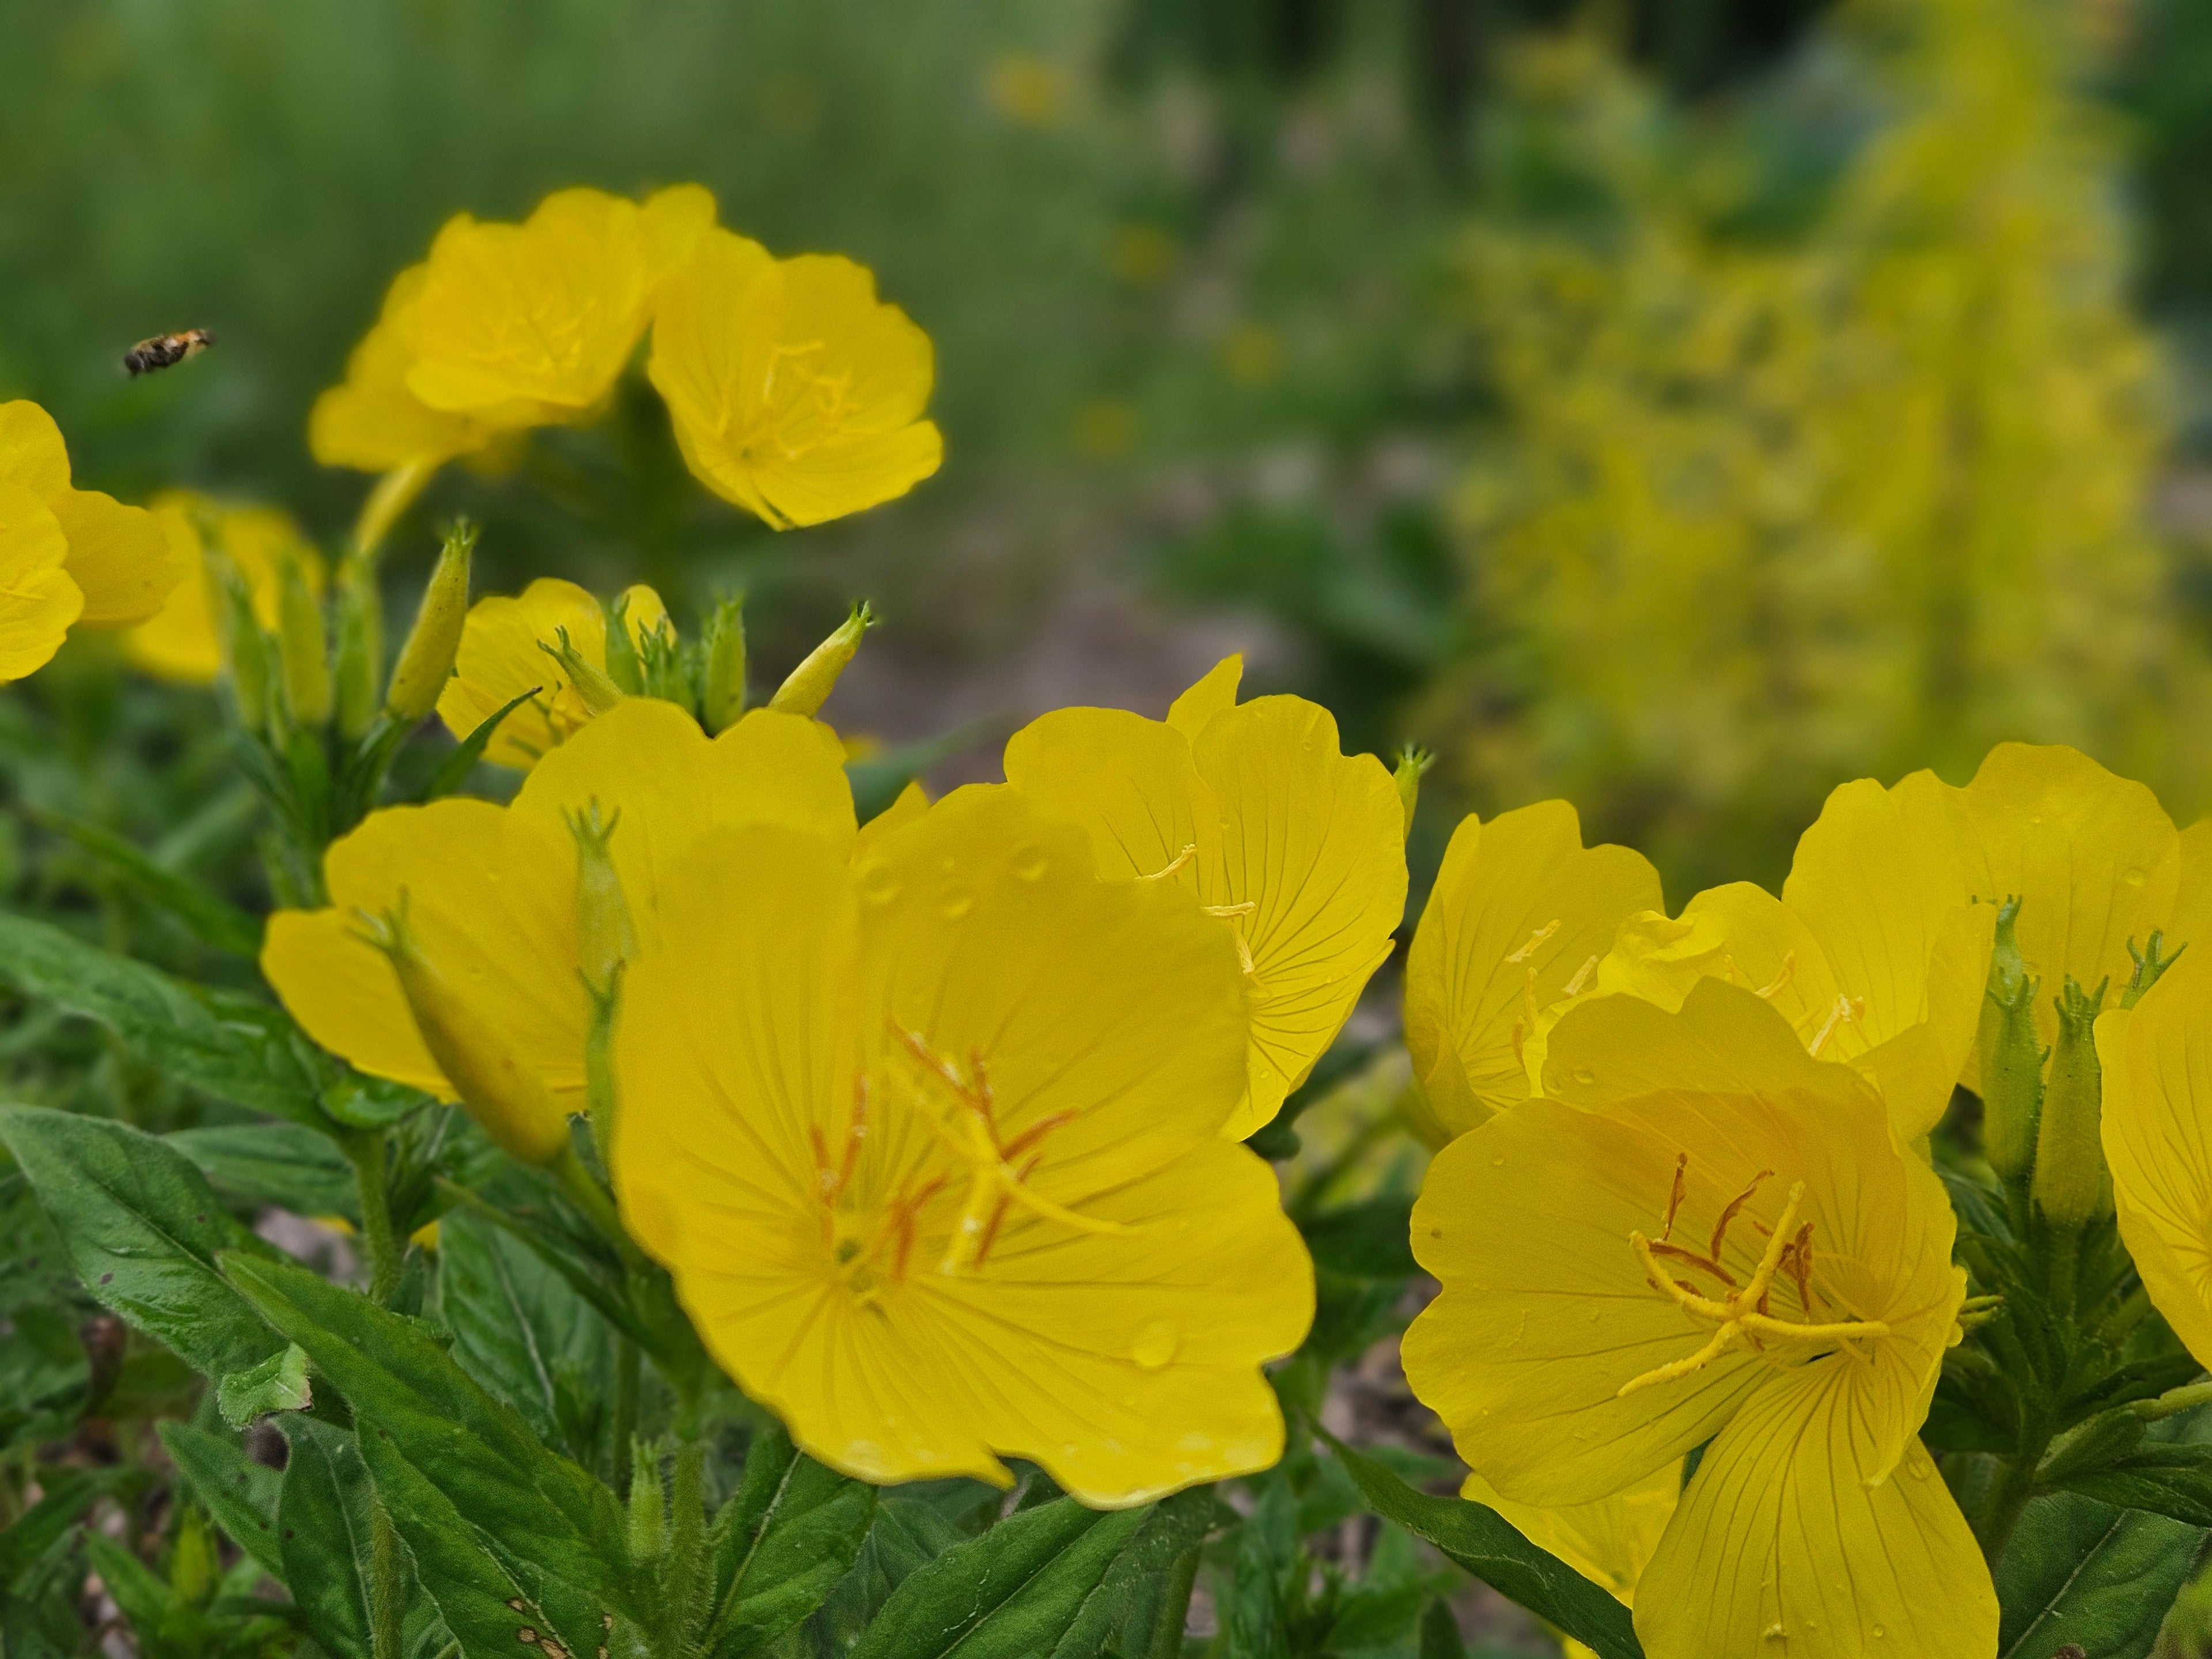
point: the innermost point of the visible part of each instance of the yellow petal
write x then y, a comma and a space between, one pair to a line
32, 453
912, 801
1790, 1538
1214, 691
2157, 1061
179, 641
1130, 781
674, 221
1501, 885
2191, 915
1314, 839
545, 312
500, 659
1609, 1542
119, 557
38, 599
372, 421
490, 898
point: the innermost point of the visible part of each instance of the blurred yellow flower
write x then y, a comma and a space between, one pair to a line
489, 895
1703, 1234
67, 557
930, 1142
1252, 355
503, 655
1027, 90
1141, 255
1519, 919
793, 391
1296, 849
182, 641
1106, 427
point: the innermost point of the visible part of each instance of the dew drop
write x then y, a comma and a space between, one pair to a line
1585, 1075
1880, 1632
1156, 1345
1030, 864
957, 903
1498, 1162
2135, 877
879, 882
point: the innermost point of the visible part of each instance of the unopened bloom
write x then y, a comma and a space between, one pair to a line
793, 391
509, 648
1295, 849
67, 557
183, 640
930, 1142
1520, 914
489, 893
1705, 1235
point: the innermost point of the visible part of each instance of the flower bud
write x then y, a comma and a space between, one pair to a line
510, 1101
244, 647
598, 692
624, 667
2011, 1054
604, 938
1413, 761
722, 672
2072, 1182
426, 661
810, 685
301, 648
361, 643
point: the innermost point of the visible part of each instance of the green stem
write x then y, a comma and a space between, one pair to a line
386, 1254
583, 1190
384, 1590
2173, 1401
626, 1386
2015, 1486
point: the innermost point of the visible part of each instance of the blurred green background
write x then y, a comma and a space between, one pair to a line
1681, 406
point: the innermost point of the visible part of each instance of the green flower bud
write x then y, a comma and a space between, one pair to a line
426, 661
2012, 1055
244, 647
722, 673
301, 649
604, 938
361, 643
2072, 1185
1413, 761
809, 685
598, 692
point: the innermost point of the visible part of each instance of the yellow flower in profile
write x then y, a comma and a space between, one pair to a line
1295, 849
503, 655
182, 641
1703, 1235
489, 894
1521, 915
1610, 1542
793, 391
930, 1143
67, 557
371, 421
2157, 1063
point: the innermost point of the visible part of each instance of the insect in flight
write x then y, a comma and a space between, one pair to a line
164, 350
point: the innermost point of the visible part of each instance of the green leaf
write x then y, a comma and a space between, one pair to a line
2078, 1570
245, 1053
67, 1497
877, 781
1440, 1637
454, 770
322, 1519
519, 1328
1017, 1592
791, 1531
240, 1492
1370, 1240
140, 1596
142, 1230
214, 920
1482, 1541
278, 1384
286, 1164
558, 1532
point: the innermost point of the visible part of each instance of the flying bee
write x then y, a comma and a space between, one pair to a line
164, 350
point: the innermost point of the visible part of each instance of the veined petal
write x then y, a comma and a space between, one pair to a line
1609, 1542
1130, 781
2157, 1130
1518, 909
2192, 916
500, 659
912, 801
1314, 839
371, 421
1212, 693
1794, 1535
32, 453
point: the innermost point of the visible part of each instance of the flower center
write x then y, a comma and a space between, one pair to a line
1741, 1313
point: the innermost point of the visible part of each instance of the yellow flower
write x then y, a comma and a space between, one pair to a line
182, 641
489, 893
1519, 919
1702, 1235
1609, 1542
502, 658
2157, 1057
67, 557
1296, 849
794, 392
372, 421
930, 1142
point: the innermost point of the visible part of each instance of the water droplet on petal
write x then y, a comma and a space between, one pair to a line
1030, 864
1156, 1345
879, 882
2135, 877
1584, 1076
956, 904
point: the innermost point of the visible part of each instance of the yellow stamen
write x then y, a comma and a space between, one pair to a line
1788, 971
1535, 939
1845, 1010
1582, 977
1188, 852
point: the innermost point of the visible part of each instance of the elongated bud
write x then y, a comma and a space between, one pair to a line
507, 1099
598, 692
722, 666
2012, 1055
624, 667
426, 661
361, 643
2070, 1178
810, 685
604, 938
1413, 761
648, 1523
244, 647
2151, 963
301, 648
